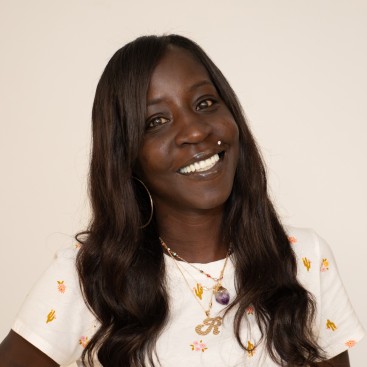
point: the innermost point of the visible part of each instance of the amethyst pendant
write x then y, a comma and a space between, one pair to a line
222, 296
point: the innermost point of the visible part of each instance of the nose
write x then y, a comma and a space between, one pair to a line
192, 128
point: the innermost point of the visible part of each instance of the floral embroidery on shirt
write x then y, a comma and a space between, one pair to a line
330, 325
77, 246
350, 343
83, 341
199, 291
51, 316
250, 310
292, 240
61, 286
250, 349
198, 346
306, 263
324, 265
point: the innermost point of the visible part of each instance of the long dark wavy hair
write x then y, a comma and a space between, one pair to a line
121, 265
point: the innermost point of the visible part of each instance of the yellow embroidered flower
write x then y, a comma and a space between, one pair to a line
330, 325
306, 263
324, 265
250, 349
199, 291
51, 316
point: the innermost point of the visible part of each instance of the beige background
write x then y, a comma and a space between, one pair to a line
299, 68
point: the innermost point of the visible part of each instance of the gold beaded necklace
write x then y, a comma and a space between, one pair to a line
209, 323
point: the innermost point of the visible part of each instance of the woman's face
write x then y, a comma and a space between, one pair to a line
180, 159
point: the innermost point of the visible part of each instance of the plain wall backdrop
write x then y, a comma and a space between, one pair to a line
298, 67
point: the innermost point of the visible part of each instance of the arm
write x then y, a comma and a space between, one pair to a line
341, 360
18, 352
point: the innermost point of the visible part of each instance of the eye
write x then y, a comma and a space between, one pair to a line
206, 103
156, 121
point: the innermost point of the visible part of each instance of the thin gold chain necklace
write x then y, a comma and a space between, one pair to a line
209, 324
221, 294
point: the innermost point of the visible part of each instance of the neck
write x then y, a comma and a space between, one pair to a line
196, 237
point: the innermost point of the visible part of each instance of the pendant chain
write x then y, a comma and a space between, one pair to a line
177, 256
218, 280
207, 312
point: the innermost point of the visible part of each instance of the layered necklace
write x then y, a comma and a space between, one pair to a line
220, 293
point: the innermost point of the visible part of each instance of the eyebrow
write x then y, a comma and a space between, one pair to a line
190, 89
199, 84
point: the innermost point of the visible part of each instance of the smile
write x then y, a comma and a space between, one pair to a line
201, 166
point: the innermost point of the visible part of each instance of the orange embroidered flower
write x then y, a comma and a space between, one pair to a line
292, 240
198, 346
350, 343
77, 246
61, 286
83, 341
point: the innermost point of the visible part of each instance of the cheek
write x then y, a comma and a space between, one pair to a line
153, 158
230, 130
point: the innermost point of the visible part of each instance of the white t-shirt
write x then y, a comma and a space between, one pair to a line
56, 320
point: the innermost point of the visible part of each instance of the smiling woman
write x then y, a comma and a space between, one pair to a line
185, 261
180, 159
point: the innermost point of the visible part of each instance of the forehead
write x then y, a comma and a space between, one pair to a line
177, 68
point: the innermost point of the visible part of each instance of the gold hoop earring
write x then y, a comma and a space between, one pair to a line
151, 202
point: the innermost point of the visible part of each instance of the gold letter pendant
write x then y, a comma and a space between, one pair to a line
209, 324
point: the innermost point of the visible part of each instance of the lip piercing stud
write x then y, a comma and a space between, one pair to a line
219, 142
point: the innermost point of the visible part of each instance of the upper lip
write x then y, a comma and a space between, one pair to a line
201, 156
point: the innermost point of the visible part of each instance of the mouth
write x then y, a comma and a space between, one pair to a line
202, 165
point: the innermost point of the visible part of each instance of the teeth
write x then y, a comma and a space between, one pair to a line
201, 166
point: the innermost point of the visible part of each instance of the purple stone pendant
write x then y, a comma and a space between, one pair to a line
222, 296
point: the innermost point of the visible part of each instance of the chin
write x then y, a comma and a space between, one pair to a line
208, 202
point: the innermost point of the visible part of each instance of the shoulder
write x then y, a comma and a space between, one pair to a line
61, 277
65, 262
306, 242
302, 236
54, 316
313, 256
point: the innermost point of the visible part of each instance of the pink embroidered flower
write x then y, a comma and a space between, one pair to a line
198, 346
350, 343
292, 240
324, 265
83, 341
61, 286
250, 310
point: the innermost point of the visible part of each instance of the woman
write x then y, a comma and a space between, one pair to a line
209, 277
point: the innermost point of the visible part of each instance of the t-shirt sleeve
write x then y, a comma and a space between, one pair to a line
339, 327
54, 316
